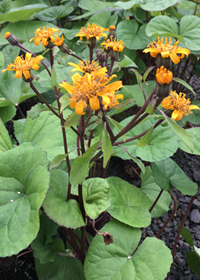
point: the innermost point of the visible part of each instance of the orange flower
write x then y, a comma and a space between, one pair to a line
163, 76
23, 66
44, 35
89, 88
115, 45
167, 50
59, 41
92, 31
87, 67
179, 105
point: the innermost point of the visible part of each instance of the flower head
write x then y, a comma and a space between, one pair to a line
112, 31
114, 44
45, 35
92, 31
167, 50
92, 88
59, 41
179, 105
87, 67
163, 76
23, 66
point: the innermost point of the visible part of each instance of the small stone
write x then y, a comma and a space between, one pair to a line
195, 216
181, 262
184, 208
185, 249
196, 204
189, 277
196, 175
197, 236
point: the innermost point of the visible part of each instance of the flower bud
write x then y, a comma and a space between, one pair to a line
112, 31
11, 39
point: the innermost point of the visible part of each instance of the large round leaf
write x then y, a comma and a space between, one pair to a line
95, 196
65, 213
162, 144
46, 132
128, 203
24, 181
134, 39
116, 261
195, 133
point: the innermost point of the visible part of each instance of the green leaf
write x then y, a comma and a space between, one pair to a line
127, 31
116, 261
72, 119
163, 142
189, 27
64, 101
62, 268
12, 88
167, 173
193, 260
57, 161
162, 25
53, 77
64, 213
106, 147
5, 141
7, 113
146, 73
36, 110
186, 235
22, 13
152, 190
182, 134
53, 13
24, 181
94, 6
43, 244
187, 8
104, 19
95, 196
129, 204
149, 5
144, 140
46, 132
184, 84
195, 134
81, 166
5, 6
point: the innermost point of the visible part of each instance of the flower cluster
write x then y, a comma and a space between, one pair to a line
23, 66
179, 105
92, 88
47, 36
167, 50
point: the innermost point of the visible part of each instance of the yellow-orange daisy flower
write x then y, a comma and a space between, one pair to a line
44, 35
179, 105
89, 88
87, 67
59, 41
92, 31
163, 76
23, 66
115, 45
167, 50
